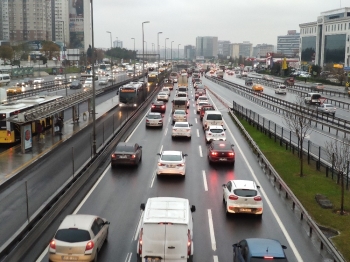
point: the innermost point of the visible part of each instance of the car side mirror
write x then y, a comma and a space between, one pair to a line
232, 145
185, 155
142, 206
193, 208
191, 125
223, 185
224, 129
158, 154
258, 186
107, 223
140, 146
283, 246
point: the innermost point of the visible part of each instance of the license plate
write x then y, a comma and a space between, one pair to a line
151, 259
245, 210
122, 156
171, 166
222, 159
69, 258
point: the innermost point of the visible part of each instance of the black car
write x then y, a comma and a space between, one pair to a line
221, 151
158, 106
126, 153
75, 84
249, 82
28, 81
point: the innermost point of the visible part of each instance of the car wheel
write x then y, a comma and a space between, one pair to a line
139, 259
259, 216
190, 259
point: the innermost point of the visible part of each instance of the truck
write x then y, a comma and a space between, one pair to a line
183, 80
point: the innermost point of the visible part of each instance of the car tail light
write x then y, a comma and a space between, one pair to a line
133, 156
188, 130
161, 164
257, 198
209, 134
231, 154
140, 242
153, 106
233, 197
214, 153
8, 133
53, 244
222, 134
268, 257
147, 120
175, 129
90, 245
189, 243
160, 121
163, 106
182, 164
113, 155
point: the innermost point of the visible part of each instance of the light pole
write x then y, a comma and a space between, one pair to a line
64, 55
158, 49
178, 52
143, 52
146, 46
152, 47
134, 56
165, 49
110, 34
171, 53
93, 81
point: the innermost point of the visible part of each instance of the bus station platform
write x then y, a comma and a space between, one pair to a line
12, 161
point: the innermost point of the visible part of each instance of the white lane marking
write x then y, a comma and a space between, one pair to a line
166, 131
195, 120
215, 258
279, 221
194, 111
197, 133
211, 230
205, 180
200, 151
153, 178
138, 227
127, 140
194, 104
128, 257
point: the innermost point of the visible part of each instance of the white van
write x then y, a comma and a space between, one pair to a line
212, 118
313, 99
281, 89
5, 79
166, 231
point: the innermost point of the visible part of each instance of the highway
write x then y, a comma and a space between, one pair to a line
119, 192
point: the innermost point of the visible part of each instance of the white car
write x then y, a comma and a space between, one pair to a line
202, 99
171, 162
166, 90
38, 81
179, 116
184, 95
281, 89
154, 119
79, 237
181, 129
163, 96
242, 196
88, 83
327, 109
215, 133
103, 81
200, 104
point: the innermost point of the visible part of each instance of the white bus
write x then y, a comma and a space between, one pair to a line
4, 79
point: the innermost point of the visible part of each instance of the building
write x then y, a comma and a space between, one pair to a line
326, 40
224, 48
60, 25
261, 50
207, 46
288, 45
245, 49
189, 52
118, 43
234, 50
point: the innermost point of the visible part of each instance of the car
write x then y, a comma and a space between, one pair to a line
27, 81
166, 90
248, 82
326, 109
75, 84
197, 83
154, 119
173, 77
205, 108
244, 74
255, 250
158, 106
258, 87
168, 83
172, 163
289, 81
72, 78
199, 92
38, 81
58, 79
88, 83
126, 153
179, 116
305, 75
21, 84
215, 133
230, 73
111, 78
181, 129
163, 96
202, 99
200, 104
103, 81
281, 89
185, 96
221, 152
267, 78
79, 237
200, 86
242, 196
317, 86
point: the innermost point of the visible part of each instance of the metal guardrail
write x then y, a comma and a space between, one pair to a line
325, 121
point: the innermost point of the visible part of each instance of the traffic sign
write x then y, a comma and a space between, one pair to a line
346, 68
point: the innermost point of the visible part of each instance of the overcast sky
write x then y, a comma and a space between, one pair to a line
257, 21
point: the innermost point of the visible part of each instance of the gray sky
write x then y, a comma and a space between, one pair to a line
183, 20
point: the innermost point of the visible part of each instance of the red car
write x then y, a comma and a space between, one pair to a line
158, 106
221, 151
205, 108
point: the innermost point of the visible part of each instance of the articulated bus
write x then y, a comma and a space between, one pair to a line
10, 132
129, 95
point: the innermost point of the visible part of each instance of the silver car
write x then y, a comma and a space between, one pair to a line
327, 109
78, 238
103, 81
179, 116
154, 119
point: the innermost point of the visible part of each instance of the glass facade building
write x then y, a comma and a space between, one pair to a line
334, 48
207, 46
308, 48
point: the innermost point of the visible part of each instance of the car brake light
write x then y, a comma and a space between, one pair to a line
214, 153
175, 129
153, 106
147, 120
163, 106
189, 243
53, 244
233, 197
257, 198
113, 155
8, 133
268, 257
231, 154
182, 164
209, 134
133, 156
140, 242
161, 164
90, 245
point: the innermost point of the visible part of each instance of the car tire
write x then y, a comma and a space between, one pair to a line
138, 258
190, 259
259, 216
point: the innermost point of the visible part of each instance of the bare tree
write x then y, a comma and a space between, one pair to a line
298, 122
338, 153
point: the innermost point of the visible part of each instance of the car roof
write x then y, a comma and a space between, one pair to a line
154, 113
120, 144
246, 184
169, 152
180, 123
77, 221
217, 127
260, 247
158, 102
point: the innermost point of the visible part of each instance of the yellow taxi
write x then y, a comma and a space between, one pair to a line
258, 87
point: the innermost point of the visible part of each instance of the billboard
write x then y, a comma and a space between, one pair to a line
76, 23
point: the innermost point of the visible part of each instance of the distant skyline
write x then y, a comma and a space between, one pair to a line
182, 21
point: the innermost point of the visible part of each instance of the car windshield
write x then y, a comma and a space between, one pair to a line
72, 235
171, 157
180, 125
245, 192
216, 130
124, 148
214, 117
154, 116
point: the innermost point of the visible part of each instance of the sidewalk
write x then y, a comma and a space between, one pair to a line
12, 161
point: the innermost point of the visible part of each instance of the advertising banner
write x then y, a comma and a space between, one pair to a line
76, 23
27, 136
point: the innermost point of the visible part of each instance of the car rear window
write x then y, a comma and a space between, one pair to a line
181, 125
180, 102
222, 146
245, 192
72, 235
171, 158
216, 130
202, 98
182, 89
214, 117
154, 116
124, 148
181, 95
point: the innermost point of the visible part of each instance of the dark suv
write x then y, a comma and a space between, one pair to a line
249, 82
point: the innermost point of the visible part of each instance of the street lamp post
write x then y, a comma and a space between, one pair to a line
93, 82
158, 49
171, 53
134, 56
165, 49
146, 46
143, 51
64, 55
110, 34
178, 52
